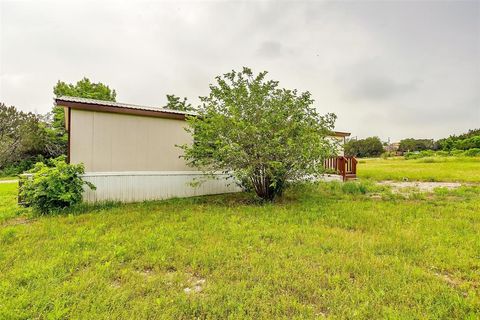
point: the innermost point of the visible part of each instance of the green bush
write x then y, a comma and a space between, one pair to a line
412, 155
53, 186
442, 153
419, 154
20, 166
354, 188
388, 154
456, 152
474, 152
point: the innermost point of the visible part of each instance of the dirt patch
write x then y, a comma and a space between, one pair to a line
17, 221
146, 272
448, 279
196, 285
8, 181
116, 283
420, 186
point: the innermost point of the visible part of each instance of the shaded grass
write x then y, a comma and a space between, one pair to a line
323, 250
462, 169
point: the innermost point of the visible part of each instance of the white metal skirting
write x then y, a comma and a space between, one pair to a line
158, 185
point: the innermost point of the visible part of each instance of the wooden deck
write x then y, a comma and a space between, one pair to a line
344, 166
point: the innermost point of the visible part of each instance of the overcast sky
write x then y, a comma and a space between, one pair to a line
392, 69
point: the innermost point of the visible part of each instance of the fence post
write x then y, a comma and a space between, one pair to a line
21, 179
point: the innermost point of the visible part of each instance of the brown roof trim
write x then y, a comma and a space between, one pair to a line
341, 134
98, 106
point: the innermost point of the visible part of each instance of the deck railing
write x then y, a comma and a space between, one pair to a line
344, 166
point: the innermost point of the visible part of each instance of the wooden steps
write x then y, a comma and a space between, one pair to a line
344, 166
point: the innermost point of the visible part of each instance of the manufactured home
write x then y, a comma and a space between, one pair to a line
130, 152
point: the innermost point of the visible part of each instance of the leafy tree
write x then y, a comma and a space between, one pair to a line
411, 144
174, 103
368, 147
22, 136
83, 89
453, 141
468, 143
261, 134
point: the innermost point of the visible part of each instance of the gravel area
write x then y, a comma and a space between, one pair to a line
8, 181
421, 186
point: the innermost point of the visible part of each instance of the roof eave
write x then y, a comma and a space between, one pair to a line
341, 134
97, 105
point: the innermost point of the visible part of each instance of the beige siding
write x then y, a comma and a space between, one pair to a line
107, 142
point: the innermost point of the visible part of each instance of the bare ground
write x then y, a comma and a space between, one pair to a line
421, 186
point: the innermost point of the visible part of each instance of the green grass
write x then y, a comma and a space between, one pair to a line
328, 250
8, 201
461, 169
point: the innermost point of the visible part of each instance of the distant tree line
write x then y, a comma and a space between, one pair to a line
465, 141
373, 147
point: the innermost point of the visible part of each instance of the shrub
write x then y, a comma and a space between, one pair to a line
354, 188
474, 152
388, 154
442, 153
23, 165
456, 152
412, 155
418, 155
53, 186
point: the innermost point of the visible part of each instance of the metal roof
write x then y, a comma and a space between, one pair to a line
341, 133
119, 105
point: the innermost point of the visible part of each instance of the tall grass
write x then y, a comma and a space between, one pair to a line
462, 169
323, 250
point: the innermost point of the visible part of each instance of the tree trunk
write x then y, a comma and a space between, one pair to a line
264, 188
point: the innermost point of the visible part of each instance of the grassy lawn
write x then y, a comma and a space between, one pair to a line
465, 169
324, 250
8, 201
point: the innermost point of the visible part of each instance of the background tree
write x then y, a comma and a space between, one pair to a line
175, 103
409, 145
468, 143
368, 147
23, 139
455, 142
261, 134
83, 89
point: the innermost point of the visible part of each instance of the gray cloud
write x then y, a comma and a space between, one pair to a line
391, 69
270, 49
381, 88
